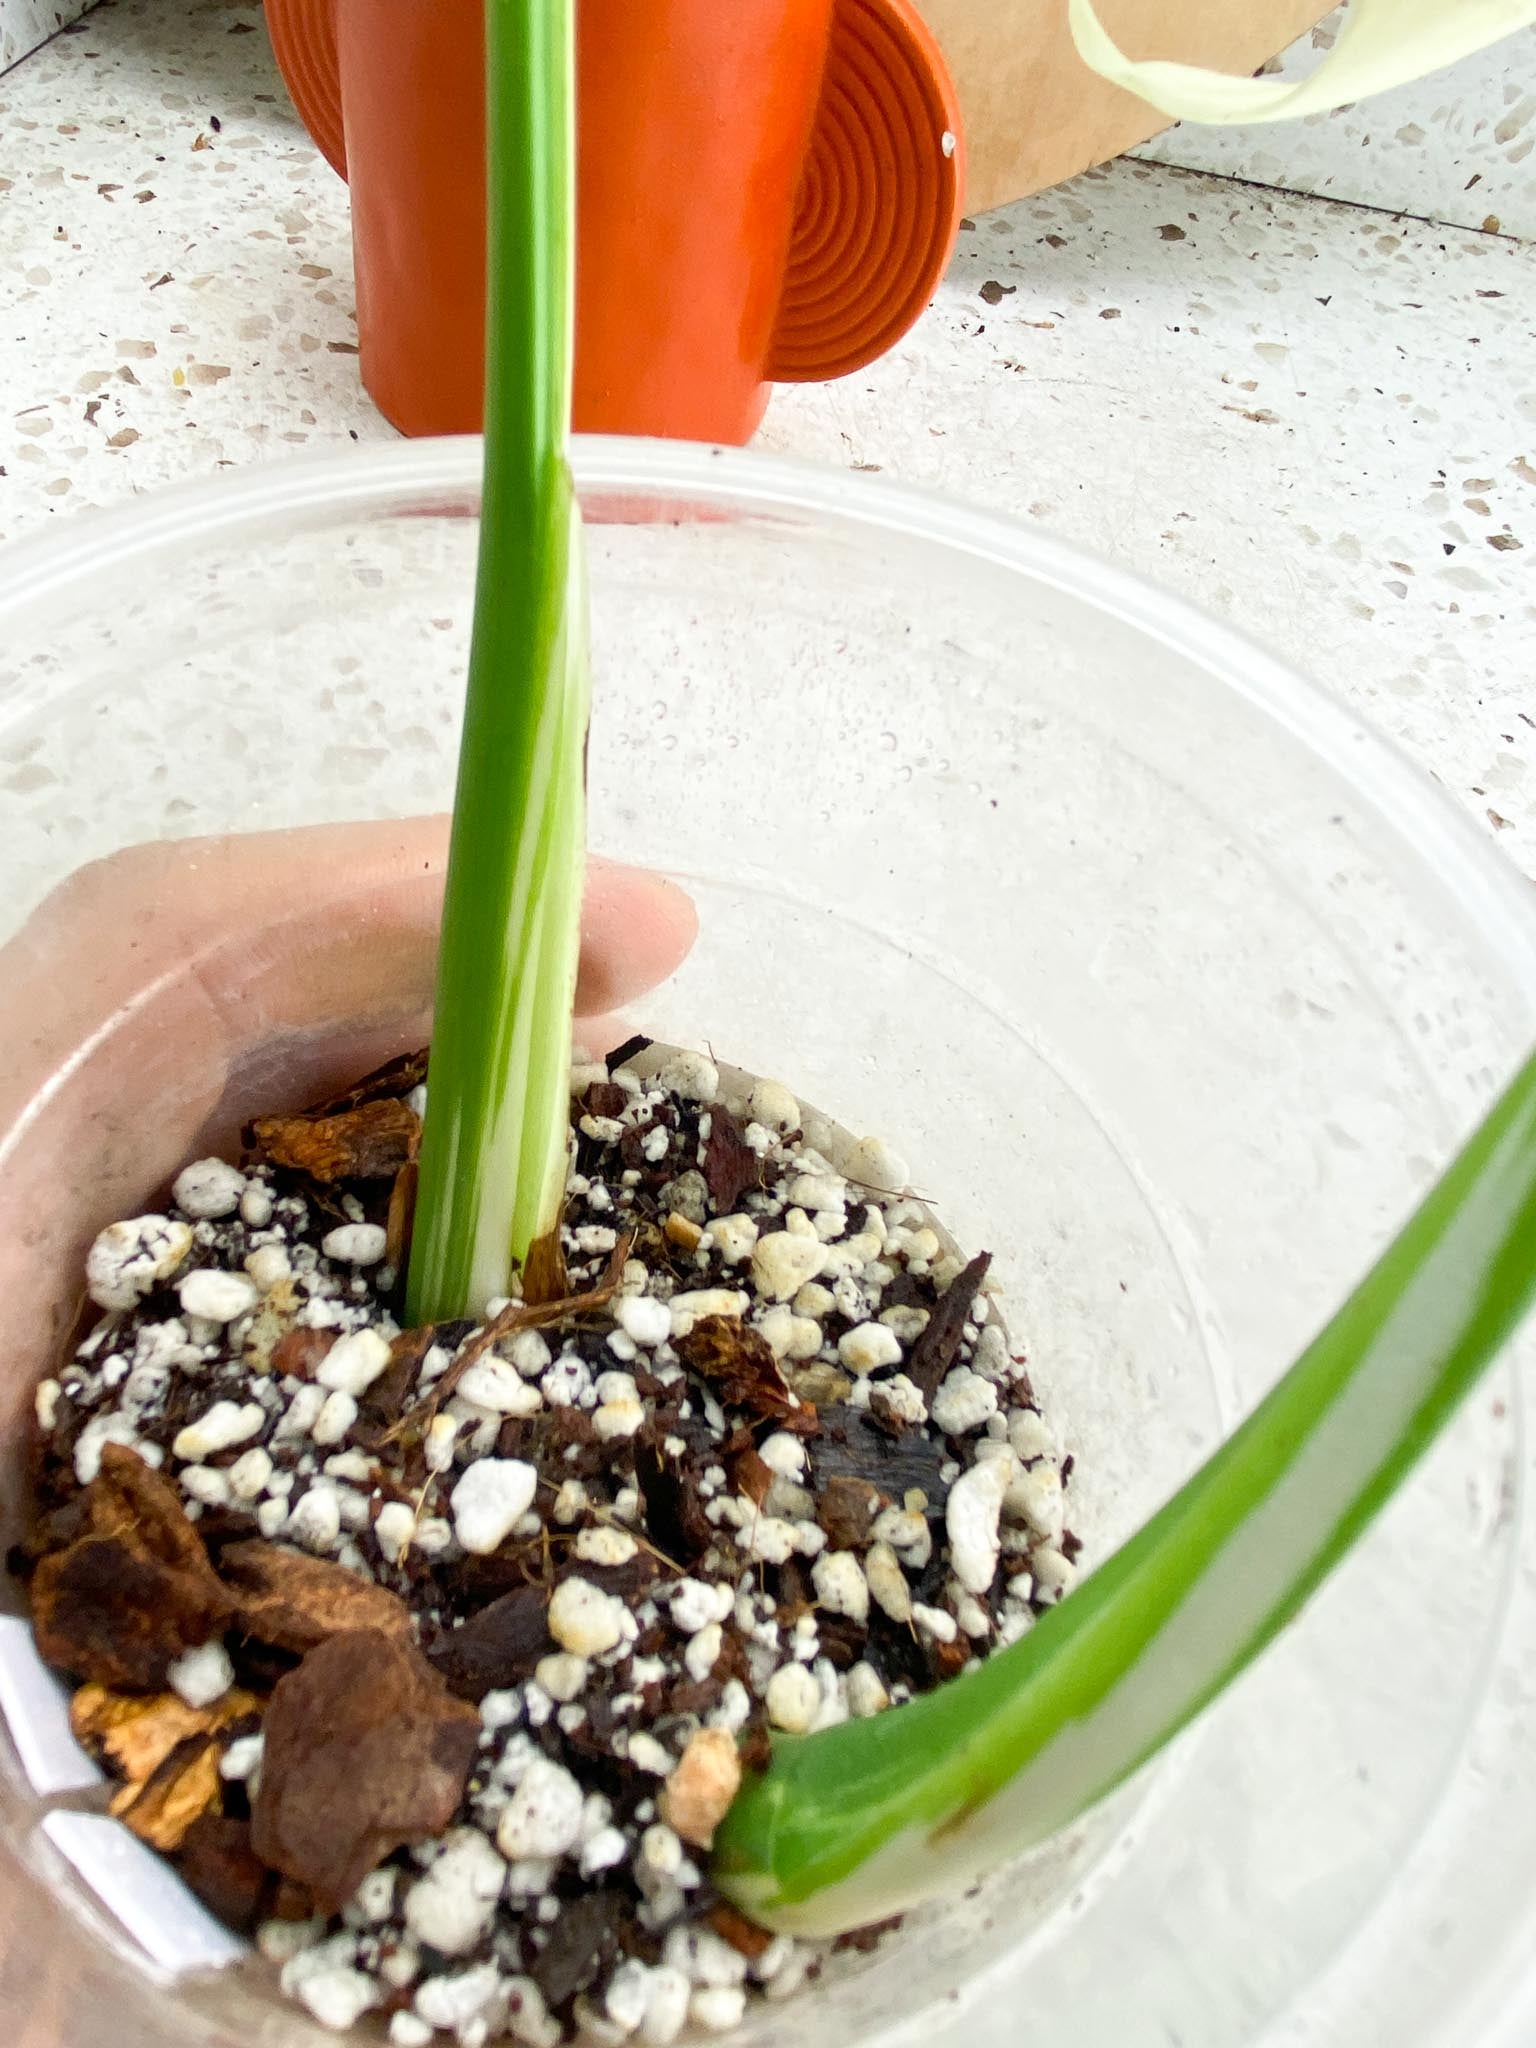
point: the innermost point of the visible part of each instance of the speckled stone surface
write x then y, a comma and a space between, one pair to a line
24, 24
176, 266
1455, 147
1314, 420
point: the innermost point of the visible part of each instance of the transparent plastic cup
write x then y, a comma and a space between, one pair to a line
1173, 984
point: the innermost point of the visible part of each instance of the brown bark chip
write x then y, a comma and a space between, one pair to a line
301, 1351
396, 1079
744, 1935
730, 1167
135, 1732
402, 1217
178, 1792
736, 1361
847, 1510
218, 1863
938, 1343
372, 1142
365, 1750
133, 1592
296, 1602
583, 1942
495, 1648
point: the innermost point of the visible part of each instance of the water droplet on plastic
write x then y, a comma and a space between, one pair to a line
669, 741
903, 774
888, 742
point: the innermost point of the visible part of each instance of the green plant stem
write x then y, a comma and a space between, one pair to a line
867, 1819
493, 1151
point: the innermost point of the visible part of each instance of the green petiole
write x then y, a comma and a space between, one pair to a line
867, 1819
493, 1157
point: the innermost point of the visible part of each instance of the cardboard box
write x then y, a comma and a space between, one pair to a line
1035, 114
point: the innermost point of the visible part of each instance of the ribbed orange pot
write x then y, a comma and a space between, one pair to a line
768, 190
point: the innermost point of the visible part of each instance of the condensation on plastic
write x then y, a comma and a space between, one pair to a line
1173, 983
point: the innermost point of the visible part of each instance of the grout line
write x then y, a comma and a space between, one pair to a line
66, 28
1393, 213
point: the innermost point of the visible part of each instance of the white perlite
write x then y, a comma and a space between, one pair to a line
544, 1816
315, 1520
901, 1399
353, 1362
202, 1675
208, 1188
867, 1695
933, 1621
454, 2002
782, 1263
226, 1423
495, 1384
694, 1604
394, 1528
783, 1454
562, 1676
218, 1297
128, 1259
873, 1164
642, 1317
338, 1997
771, 1104
692, 1076
355, 1244
718, 2008
733, 1237
268, 1266
793, 1699
1054, 1572
242, 1760
1030, 1435
454, 1903
490, 1499
585, 1620
690, 1308
867, 1347
971, 1518
840, 1584
248, 1473
605, 1546
100, 1431
964, 1402
335, 1419
888, 1582
1036, 1496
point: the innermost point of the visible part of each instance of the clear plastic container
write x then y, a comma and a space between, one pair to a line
1174, 984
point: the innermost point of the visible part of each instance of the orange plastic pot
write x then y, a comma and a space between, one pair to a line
768, 190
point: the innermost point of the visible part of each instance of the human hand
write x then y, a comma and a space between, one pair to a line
161, 996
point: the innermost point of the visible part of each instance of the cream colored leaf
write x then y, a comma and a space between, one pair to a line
1383, 43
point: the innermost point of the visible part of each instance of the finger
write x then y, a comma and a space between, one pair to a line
160, 997
636, 929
